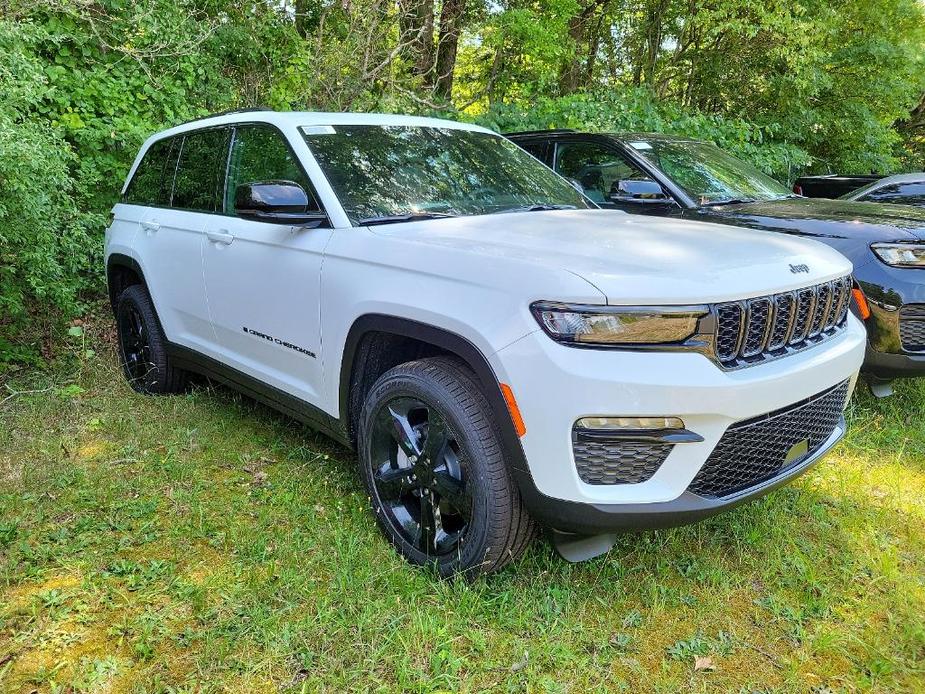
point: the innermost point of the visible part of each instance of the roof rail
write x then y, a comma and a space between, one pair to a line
228, 113
550, 131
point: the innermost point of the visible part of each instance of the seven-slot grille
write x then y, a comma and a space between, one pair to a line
751, 331
912, 327
756, 450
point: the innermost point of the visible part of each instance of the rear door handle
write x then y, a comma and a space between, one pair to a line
221, 236
150, 226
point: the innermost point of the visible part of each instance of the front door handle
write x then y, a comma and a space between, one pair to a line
221, 236
150, 226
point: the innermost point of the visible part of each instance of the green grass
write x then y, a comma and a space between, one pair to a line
202, 543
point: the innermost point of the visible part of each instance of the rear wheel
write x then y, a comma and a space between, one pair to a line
143, 347
432, 465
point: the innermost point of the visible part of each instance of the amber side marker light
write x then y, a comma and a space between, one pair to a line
861, 301
516, 418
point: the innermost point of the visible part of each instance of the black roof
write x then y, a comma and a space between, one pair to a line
619, 136
526, 133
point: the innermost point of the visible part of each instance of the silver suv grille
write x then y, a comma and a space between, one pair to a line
748, 332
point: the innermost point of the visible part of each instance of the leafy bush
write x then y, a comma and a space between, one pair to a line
46, 242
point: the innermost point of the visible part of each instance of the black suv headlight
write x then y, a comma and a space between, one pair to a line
618, 326
901, 254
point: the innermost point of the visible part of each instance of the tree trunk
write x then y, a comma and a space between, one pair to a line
580, 31
451, 16
416, 25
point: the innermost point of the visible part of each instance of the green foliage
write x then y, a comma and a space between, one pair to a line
45, 239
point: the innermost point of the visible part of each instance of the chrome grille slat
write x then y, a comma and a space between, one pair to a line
748, 332
821, 309
758, 315
783, 321
804, 310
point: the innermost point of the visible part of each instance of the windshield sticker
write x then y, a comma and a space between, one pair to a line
319, 130
640, 145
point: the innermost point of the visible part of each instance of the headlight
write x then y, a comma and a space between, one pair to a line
618, 326
901, 254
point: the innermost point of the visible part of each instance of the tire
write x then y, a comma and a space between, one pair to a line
452, 505
143, 347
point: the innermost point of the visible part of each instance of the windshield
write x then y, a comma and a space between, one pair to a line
707, 173
393, 173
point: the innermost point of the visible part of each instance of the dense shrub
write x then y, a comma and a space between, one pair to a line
47, 243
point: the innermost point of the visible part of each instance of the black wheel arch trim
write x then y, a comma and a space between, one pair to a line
121, 260
472, 356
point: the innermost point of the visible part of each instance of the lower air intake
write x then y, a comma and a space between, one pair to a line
759, 449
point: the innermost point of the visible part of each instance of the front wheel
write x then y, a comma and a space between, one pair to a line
432, 464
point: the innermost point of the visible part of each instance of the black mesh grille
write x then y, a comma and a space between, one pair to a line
617, 462
756, 450
912, 327
748, 332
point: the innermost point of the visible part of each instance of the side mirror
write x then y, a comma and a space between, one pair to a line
276, 202
636, 191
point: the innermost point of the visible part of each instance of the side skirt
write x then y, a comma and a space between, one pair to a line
279, 400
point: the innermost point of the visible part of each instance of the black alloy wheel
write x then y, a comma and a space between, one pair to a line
419, 477
140, 369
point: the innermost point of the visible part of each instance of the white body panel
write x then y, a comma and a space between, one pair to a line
258, 276
476, 277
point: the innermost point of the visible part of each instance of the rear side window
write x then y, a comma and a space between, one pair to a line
901, 193
260, 154
153, 178
200, 175
537, 149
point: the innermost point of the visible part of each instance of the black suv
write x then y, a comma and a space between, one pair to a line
663, 175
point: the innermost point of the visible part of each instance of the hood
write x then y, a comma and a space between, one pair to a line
629, 258
827, 218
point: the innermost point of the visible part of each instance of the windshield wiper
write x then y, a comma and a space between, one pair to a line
398, 218
539, 207
728, 201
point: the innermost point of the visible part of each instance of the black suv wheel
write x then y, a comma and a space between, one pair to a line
142, 347
432, 464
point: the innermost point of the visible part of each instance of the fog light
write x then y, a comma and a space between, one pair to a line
632, 423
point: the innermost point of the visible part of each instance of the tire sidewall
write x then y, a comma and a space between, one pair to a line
135, 297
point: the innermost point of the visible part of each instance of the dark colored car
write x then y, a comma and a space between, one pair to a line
902, 189
673, 176
831, 185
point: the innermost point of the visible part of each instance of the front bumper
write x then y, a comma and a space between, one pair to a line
592, 519
556, 385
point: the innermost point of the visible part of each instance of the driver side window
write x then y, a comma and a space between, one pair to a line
260, 154
599, 169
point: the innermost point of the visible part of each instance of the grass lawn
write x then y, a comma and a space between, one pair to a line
204, 543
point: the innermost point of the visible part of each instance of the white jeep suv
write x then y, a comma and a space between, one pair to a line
499, 353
